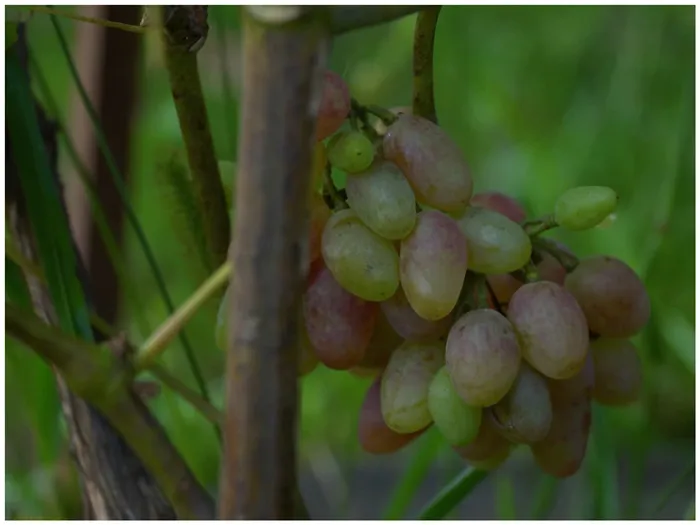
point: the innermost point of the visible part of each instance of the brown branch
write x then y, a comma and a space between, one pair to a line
283, 64
349, 18
423, 44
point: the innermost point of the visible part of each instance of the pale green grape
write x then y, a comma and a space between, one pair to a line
383, 199
495, 243
458, 422
350, 151
364, 263
405, 384
584, 207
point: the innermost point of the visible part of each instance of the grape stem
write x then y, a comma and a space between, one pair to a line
536, 227
363, 112
332, 196
568, 261
423, 44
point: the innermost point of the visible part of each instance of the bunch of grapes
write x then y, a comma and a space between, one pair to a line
463, 313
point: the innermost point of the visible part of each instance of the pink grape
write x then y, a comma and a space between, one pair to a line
383, 342
489, 450
335, 105
482, 357
433, 164
339, 324
408, 324
612, 296
433, 264
501, 203
618, 372
551, 328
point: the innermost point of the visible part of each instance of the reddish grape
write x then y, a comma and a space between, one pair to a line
408, 324
334, 107
433, 164
433, 265
375, 436
501, 203
482, 357
551, 328
611, 295
339, 324
383, 342
489, 449
618, 372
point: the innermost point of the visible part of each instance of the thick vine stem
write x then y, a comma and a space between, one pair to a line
349, 18
186, 31
423, 44
283, 59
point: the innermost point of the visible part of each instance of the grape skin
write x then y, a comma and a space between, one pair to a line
501, 203
362, 262
334, 107
496, 244
375, 437
405, 384
458, 422
482, 356
408, 324
433, 265
383, 199
584, 207
489, 450
551, 329
618, 372
611, 295
383, 342
339, 324
433, 164
350, 151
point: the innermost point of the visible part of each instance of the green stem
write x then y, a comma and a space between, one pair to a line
538, 226
193, 398
567, 260
165, 334
423, 44
453, 494
79, 18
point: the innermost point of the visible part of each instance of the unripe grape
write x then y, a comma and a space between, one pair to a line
551, 329
501, 203
383, 199
482, 356
405, 384
350, 151
524, 415
496, 244
408, 324
375, 437
611, 296
433, 164
584, 207
618, 372
338, 323
457, 422
362, 262
334, 107
489, 449
433, 265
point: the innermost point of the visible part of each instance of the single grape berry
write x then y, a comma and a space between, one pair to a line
405, 384
501, 203
383, 342
584, 207
350, 151
618, 372
334, 107
457, 422
611, 295
489, 449
482, 356
408, 324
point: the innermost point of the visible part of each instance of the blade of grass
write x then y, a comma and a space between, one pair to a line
602, 469
671, 489
428, 447
131, 216
505, 498
545, 498
453, 494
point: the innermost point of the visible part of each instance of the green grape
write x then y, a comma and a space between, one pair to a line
433, 265
525, 414
611, 295
584, 207
495, 243
383, 199
350, 151
431, 161
365, 264
405, 384
458, 422
482, 356
618, 372
551, 328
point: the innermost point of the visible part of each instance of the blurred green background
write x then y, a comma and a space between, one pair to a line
541, 99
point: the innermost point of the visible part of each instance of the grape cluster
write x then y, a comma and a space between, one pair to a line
463, 313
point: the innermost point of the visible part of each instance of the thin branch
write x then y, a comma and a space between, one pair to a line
423, 44
78, 18
349, 18
193, 398
283, 65
186, 30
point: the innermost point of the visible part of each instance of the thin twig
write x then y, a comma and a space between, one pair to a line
79, 18
423, 44
202, 406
